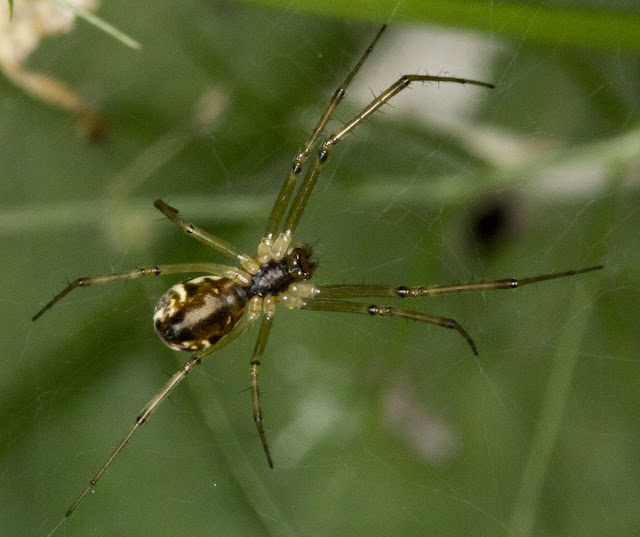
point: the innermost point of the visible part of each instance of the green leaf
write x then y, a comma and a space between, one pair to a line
543, 23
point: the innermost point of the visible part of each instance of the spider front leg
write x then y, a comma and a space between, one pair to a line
156, 270
383, 311
286, 191
328, 297
308, 183
401, 291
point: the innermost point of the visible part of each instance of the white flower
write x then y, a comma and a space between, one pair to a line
32, 20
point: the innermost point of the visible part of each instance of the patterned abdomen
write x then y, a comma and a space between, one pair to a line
196, 313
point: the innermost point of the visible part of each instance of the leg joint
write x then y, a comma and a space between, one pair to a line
403, 291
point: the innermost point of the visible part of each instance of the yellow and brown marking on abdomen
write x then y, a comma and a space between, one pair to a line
196, 313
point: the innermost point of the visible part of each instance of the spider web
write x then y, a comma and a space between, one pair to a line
376, 426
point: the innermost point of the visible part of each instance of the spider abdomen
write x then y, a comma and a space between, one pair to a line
196, 313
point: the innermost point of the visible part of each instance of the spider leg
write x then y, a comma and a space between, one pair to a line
361, 291
256, 360
177, 378
247, 262
308, 183
284, 197
384, 311
156, 270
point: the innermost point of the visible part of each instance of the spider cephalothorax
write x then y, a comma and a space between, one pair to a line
276, 276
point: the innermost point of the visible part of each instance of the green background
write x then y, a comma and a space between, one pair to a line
541, 431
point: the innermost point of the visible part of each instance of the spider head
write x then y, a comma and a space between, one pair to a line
300, 262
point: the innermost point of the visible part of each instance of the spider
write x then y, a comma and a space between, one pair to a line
204, 314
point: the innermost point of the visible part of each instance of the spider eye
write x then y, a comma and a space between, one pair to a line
196, 313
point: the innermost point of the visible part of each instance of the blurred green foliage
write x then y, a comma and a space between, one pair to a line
351, 404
